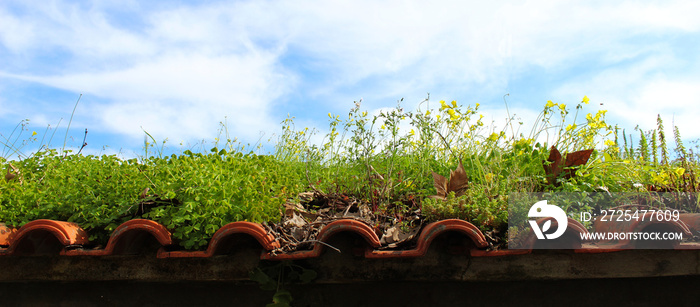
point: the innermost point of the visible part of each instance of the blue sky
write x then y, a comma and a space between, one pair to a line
177, 69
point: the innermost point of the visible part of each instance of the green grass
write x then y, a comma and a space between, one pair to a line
384, 161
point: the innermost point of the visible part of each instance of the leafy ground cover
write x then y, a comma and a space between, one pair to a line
395, 170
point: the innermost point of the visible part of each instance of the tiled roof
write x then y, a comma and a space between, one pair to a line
46, 237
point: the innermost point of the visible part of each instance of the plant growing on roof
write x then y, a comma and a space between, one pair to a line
363, 157
558, 164
457, 184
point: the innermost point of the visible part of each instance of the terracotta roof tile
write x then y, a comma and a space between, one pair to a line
692, 220
328, 231
45, 237
130, 237
430, 232
42, 237
216, 244
572, 234
5, 233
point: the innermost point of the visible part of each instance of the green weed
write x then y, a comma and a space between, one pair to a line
383, 160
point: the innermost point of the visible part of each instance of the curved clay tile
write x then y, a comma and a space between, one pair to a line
131, 237
255, 230
571, 239
333, 228
350, 225
692, 220
46, 237
6, 234
577, 226
430, 232
219, 241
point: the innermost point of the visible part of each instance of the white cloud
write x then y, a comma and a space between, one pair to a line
15, 35
676, 100
180, 70
634, 95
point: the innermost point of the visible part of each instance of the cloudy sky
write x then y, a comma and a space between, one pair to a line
177, 69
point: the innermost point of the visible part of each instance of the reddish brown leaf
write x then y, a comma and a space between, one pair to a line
552, 165
556, 164
458, 182
440, 184
9, 176
554, 155
576, 158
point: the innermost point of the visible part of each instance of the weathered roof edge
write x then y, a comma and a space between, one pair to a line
46, 237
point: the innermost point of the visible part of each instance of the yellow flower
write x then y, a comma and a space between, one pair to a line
585, 99
562, 107
34, 133
443, 104
454, 103
382, 127
364, 113
679, 171
550, 104
522, 142
609, 143
412, 132
570, 127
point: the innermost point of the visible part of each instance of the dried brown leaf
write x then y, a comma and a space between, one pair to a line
9, 176
457, 183
440, 184
458, 180
552, 166
555, 164
144, 193
578, 157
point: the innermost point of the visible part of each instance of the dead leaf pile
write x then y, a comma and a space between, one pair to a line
303, 221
